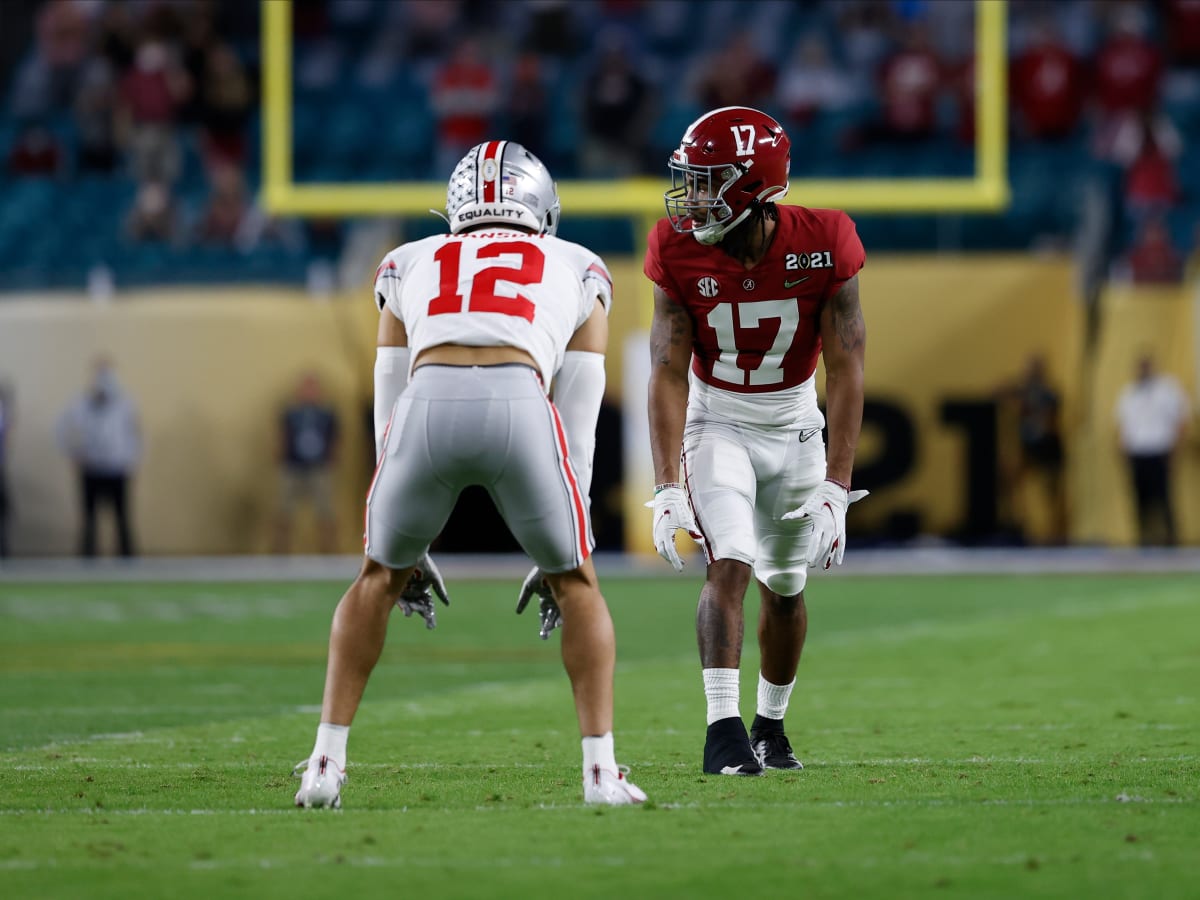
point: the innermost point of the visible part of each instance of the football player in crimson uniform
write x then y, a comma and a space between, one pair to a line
747, 295
474, 327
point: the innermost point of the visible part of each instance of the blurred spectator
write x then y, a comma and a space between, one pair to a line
6, 426
307, 453
465, 98
151, 94
616, 110
100, 433
1152, 413
155, 215
1153, 258
735, 75
35, 152
1146, 146
226, 208
812, 82
528, 105
1048, 85
95, 106
909, 83
226, 100
1036, 410
1128, 71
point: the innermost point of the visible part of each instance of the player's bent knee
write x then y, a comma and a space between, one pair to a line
786, 584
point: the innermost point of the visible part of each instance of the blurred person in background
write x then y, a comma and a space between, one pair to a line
465, 97
747, 295
151, 94
812, 82
6, 425
1036, 410
910, 80
1127, 72
100, 433
1146, 146
1152, 413
474, 327
155, 216
308, 451
1048, 85
1152, 258
224, 217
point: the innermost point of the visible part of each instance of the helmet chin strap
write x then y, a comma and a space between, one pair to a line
713, 232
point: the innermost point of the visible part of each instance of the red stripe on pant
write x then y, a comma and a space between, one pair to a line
576, 497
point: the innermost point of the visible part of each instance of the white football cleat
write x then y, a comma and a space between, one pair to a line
611, 788
321, 780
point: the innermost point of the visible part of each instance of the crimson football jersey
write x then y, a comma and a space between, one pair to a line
758, 330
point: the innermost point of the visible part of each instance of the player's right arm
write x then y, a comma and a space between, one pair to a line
671, 337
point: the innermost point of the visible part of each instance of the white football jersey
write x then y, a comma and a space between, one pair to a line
497, 287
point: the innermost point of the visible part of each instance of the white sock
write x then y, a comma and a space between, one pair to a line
773, 698
721, 690
598, 751
331, 742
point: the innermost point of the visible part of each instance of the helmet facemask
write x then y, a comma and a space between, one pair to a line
696, 202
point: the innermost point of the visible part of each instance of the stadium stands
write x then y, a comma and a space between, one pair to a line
363, 112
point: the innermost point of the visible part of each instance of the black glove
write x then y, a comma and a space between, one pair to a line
551, 616
417, 596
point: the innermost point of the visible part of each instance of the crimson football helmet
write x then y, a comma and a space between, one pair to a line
502, 183
728, 159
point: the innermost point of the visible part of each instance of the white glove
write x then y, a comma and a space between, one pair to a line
826, 508
671, 511
548, 611
417, 596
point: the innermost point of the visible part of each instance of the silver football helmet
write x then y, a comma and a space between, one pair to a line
502, 183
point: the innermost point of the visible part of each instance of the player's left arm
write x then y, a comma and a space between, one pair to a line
843, 350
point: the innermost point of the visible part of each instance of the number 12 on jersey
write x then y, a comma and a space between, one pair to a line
519, 262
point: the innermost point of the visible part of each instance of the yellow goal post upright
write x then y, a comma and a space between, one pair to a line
641, 198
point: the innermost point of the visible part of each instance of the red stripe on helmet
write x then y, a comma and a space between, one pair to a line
492, 152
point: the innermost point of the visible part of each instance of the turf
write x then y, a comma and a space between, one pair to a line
962, 737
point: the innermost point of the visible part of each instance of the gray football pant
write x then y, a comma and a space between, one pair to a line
457, 426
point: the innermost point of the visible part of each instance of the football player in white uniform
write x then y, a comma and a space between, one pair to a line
474, 326
747, 295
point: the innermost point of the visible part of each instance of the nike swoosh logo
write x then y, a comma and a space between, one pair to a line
805, 435
792, 284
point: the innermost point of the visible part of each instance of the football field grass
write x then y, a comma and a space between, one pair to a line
983, 737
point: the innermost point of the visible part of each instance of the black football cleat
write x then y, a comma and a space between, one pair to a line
727, 749
771, 747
